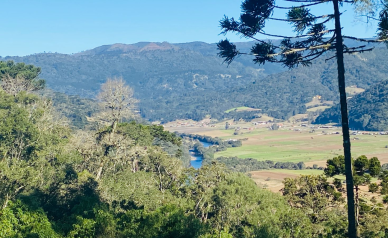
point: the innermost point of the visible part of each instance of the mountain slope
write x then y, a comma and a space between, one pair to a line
367, 110
188, 80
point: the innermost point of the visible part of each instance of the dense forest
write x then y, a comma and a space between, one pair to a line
126, 179
189, 81
367, 110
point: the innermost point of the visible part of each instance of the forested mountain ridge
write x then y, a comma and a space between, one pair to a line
367, 110
188, 80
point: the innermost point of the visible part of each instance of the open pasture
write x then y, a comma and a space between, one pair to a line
241, 109
273, 179
293, 144
287, 144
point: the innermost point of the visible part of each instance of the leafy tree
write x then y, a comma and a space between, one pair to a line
309, 44
315, 196
29, 72
335, 166
20, 77
361, 166
374, 166
20, 220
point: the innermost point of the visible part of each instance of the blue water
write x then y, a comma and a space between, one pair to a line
205, 144
197, 162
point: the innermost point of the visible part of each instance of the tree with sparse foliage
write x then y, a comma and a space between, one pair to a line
313, 39
116, 101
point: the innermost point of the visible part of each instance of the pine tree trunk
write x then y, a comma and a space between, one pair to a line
352, 228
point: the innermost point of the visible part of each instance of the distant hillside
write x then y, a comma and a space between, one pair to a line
189, 81
73, 107
367, 110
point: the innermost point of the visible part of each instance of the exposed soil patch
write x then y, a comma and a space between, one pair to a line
272, 175
321, 163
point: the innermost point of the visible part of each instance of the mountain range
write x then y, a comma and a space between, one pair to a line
189, 80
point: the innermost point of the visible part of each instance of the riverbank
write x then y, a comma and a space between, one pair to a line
196, 160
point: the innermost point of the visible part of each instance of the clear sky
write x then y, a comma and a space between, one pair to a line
71, 26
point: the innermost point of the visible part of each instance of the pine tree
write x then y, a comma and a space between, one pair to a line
313, 39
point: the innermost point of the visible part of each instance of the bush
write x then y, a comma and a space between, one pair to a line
19, 220
384, 188
373, 187
338, 184
385, 199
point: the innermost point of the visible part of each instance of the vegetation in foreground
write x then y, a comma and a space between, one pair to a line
120, 181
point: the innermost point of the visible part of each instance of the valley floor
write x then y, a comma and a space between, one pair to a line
291, 143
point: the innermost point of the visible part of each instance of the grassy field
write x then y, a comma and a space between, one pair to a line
296, 146
287, 144
292, 143
313, 109
273, 179
353, 90
240, 109
298, 172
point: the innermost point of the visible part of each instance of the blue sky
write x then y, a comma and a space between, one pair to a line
71, 26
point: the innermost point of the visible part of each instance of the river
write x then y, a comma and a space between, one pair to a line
196, 161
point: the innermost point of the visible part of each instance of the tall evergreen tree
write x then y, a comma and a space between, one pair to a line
313, 39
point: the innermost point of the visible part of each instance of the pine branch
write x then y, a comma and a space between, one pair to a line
316, 1
325, 47
358, 51
363, 40
304, 60
330, 16
370, 17
295, 50
295, 37
354, 48
317, 55
307, 1
254, 38
351, 52
304, 5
